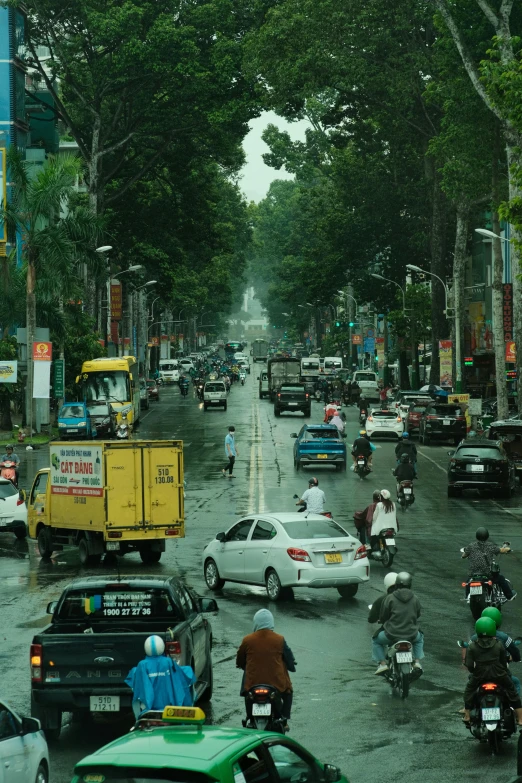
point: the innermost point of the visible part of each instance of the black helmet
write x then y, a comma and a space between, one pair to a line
482, 534
313, 482
403, 579
405, 458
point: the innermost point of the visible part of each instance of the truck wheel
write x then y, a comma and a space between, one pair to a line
86, 559
49, 717
205, 406
45, 546
21, 533
225, 406
148, 556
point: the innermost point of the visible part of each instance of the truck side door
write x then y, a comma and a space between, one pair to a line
37, 506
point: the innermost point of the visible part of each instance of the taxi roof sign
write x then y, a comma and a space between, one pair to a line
183, 715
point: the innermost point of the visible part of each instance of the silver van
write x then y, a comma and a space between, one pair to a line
215, 395
263, 385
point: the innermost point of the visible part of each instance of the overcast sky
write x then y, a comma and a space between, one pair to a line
256, 177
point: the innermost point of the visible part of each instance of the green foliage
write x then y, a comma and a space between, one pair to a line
80, 345
418, 314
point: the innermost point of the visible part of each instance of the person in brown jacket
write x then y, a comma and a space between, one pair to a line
266, 659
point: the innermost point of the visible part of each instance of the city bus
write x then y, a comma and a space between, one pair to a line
232, 348
113, 380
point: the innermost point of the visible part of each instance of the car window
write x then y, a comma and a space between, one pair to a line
292, 766
71, 412
118, 602
314, 528
263, 531
384, 415
8, 723
319, 434
215, 387
39, 486
445, 410
240, 531
7, 490
365, 376
186, 601
252, 768
479, 453
298, 389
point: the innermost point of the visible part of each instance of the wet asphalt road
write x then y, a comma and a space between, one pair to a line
342, 712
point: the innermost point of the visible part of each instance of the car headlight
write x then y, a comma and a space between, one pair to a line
82, 424
62, 424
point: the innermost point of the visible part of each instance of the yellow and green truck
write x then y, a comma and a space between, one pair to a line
109, 497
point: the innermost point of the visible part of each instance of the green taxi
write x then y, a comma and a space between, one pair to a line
176, 746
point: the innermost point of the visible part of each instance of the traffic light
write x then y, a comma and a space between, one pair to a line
351, 323
338, 323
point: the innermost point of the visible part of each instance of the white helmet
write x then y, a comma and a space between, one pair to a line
390, 579
154, 645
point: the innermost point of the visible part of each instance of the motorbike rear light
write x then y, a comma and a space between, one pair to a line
403, 646
464, 584
361, 552
36, 662
489, 686
114, 534
475, 584
399, 418
173, 648
389, 533
261, 691
278, 394
299, 554
307, 395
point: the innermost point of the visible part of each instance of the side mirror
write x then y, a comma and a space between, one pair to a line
207, 605
258, 378
331, 773
221, 537
51, 607
293, 434
31, 725
451, 453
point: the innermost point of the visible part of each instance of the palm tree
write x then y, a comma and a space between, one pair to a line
53, 239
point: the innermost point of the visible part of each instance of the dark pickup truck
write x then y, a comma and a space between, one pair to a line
292, 397
96, 636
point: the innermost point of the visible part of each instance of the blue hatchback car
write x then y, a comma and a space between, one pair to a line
75, 422
319, 444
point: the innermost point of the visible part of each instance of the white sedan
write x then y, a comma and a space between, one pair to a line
385, 422
24, 757
13, 510
282, 551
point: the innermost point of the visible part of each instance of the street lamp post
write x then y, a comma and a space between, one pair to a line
132, 268
350, 320
456, 315
385, 373
136, 292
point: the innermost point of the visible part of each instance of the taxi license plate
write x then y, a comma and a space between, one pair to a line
477, 468
446, 421
262, 709
105, 703
490, 713
404, 657
322, 456
475, 590
333, 557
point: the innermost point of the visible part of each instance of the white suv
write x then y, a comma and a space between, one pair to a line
13, 510
215, 395
23, 750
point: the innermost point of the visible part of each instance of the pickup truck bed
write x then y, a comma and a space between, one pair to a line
80, 661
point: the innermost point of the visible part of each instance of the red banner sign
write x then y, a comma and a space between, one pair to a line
42, 352
357, 339
511, 351
116, 302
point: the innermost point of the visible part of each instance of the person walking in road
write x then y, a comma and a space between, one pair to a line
230, 452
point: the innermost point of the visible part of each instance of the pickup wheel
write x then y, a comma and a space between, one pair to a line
297, 464
307, 413
205, 406
212, 577
86, 559
45, 545
148, 557
49, 717
209, 676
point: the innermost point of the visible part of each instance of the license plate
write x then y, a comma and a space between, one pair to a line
112, 546
477, 468
292, 404
333, 557
490, 713
446, 421
390, 542
70, 430
404, 657
262, 709
105, 703
407, 491
360, 462
475, 590
322, 456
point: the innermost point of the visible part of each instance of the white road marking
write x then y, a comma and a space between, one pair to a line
431, 460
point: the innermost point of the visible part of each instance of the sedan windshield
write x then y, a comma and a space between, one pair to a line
315, 528
72, 412
332, 434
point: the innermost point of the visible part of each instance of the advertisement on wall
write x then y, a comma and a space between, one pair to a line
511, 351
42, 356
8, 372
76, 470
446, 363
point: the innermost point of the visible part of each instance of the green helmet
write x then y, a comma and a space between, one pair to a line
485, 626
494, 614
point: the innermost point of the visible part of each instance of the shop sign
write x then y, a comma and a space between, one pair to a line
511, 351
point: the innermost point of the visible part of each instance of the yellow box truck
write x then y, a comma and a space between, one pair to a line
109, 496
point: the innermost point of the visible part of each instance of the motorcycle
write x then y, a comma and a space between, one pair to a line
492, 719
264, 709
303, 508
242, 378
483, 591
199, 389
405, 496
361, 466
123, 429
383, 547
363, 415
8, 471
401, 672
184, 388
317, 395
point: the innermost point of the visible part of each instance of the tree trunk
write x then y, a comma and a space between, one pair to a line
93, 168
459, 266
6, 423
499, 343
515, 193
439, 324
31, 330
